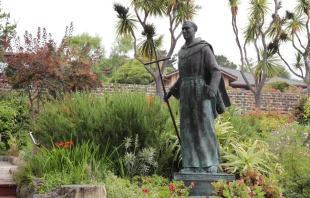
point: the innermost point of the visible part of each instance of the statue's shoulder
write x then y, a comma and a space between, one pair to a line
192, 49
205, 43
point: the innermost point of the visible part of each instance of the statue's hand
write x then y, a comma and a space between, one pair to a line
210, 93
167, 96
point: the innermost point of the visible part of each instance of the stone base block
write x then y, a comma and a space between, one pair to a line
202, 181
76, 191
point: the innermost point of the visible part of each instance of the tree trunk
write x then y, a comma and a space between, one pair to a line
257, 99
159, 87
308, 89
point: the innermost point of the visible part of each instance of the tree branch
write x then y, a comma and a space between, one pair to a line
289, 67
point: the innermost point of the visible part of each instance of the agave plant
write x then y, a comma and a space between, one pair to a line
225, 131
242, 156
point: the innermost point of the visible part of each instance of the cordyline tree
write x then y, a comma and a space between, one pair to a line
297, 27
175, 11
261, 34
42, 69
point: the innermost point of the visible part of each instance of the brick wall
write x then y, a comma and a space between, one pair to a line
283, 102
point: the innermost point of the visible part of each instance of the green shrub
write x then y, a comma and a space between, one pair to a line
279, 85
112, 117
14, 119
250, 184
300, 111
65, 163
147, 186
84, 116
291, 144
251, 154
265, 121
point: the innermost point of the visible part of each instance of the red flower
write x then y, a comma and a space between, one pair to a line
66, 146
145, 190
171, 187
60, 143
192, 184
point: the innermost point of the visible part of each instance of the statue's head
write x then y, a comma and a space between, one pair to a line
189, 28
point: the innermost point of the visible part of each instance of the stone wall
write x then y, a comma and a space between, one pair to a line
283, 102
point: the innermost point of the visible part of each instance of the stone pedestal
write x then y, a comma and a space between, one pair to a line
202, 181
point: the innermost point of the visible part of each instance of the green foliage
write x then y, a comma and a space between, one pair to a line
14, 119
137, 162
65, 163
251, 184
145, 186
81, 40
299, 111
263, 122
113, 116
7, 30
291, 143
224, 62
279, 85
132, 72
242, 156
307, 109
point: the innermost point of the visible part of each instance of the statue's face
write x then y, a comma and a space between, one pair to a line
188, 31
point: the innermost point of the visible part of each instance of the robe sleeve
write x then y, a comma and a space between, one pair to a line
212, 68
175, 89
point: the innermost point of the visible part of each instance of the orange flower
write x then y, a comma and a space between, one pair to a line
69, 143
149, 98
67, 146
57, 144
145, 190
60, 143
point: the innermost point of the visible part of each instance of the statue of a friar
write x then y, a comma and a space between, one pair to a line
203, 96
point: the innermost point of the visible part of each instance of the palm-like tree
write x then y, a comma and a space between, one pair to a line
295, 24
273, 64
298, 28
148, 45
257, 33
302, 7
126, 24
258, 9
234, 7
176, 11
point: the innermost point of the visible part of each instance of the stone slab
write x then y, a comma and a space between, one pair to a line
202, 181
75, 191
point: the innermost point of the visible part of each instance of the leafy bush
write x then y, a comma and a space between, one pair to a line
137, 162
300, 111
251, 184
65, 163
292, 89
265, 121
14, 119
147, 186
245, 155
291, 143
85, 116
279, 85
113, 116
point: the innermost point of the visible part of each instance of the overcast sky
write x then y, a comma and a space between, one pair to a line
98, 17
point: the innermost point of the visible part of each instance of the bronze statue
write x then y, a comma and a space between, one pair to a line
203, 96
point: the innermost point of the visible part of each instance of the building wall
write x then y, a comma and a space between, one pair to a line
283, 102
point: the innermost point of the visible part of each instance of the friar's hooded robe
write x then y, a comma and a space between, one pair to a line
199, 74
